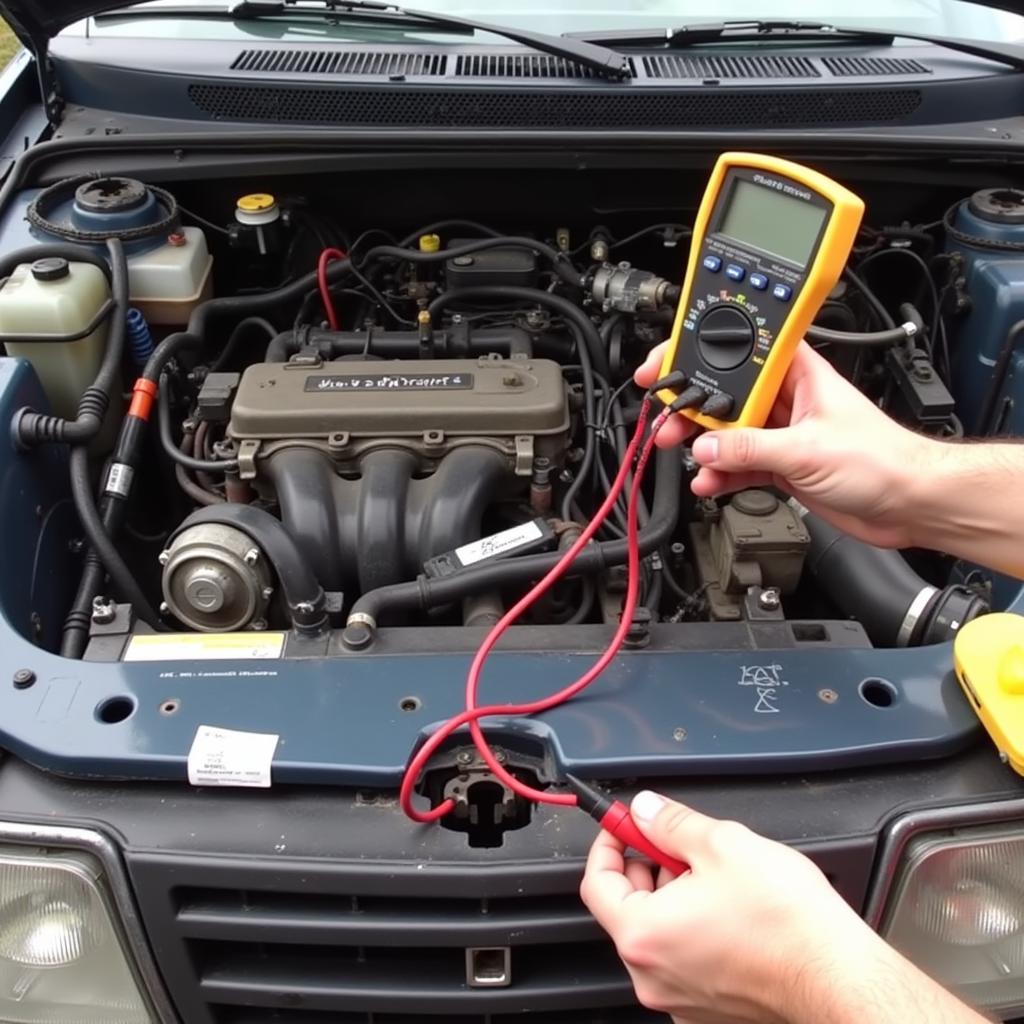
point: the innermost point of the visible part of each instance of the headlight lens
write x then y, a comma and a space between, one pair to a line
60, 957
957, 910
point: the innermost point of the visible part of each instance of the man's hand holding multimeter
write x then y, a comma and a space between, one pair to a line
770, 241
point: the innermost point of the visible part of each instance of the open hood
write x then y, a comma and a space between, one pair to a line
38, 20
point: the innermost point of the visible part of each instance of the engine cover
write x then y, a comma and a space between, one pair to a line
430, 406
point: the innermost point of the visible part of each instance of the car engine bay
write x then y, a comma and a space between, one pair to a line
363, 423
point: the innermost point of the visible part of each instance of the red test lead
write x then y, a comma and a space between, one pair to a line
614, 817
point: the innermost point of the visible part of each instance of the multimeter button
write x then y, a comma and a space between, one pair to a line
735, 272
713, 263
725, 337
718, 405
758, 281
782, 292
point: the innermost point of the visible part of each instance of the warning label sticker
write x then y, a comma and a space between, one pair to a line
227, 757
204, 646
498, 543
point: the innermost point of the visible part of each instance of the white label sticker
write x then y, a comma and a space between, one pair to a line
498, 543
119, 479
204, 646
226, 757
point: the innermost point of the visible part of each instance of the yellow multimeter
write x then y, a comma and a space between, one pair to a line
988, 653
770, 241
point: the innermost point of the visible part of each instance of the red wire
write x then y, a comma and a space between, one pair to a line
474, 713
321, 279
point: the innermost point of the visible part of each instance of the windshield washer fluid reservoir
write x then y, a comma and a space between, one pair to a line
55, 297
168, 282
994, 278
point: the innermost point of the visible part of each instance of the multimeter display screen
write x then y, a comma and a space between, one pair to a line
772, 221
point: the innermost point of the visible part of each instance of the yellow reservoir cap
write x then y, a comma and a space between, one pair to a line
257, 202
430, 243
988, 654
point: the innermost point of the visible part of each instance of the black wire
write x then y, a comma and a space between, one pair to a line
876, 304
368, 284
933, 293
683, 229
208, 224
239, 332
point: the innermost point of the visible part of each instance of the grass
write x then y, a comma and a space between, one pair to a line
9, 44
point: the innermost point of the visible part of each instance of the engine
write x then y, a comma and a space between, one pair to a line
337, 428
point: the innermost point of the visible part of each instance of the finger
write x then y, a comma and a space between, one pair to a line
640, 875
605, 886
650, 371
673, 827
751, 449
709, 483
674, 431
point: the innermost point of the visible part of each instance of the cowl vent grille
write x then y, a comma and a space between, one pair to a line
340, 62
861, 67
522, 65
677, 66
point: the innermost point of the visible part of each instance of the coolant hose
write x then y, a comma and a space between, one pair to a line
307, 602
425, 593
880, 590
31, 428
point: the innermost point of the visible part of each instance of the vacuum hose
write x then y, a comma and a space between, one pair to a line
879, 589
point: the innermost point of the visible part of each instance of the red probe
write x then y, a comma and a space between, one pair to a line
614, 817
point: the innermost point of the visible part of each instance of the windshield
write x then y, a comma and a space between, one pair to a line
938, 17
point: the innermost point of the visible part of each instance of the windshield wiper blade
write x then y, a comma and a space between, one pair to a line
600, 59
797, 31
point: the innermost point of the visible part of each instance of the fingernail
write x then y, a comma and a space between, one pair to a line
646, 805
706, 448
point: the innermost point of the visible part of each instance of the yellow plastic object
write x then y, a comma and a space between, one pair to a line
989, 656
430, 243
822, 271
256, 202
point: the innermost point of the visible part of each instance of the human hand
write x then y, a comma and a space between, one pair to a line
753, 932
831, 448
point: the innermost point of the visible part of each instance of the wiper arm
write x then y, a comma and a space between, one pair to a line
797, 31
604, 61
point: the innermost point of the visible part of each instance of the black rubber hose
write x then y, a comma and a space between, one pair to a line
31, 428
886, 339
572, 313
306, 599
241, 329
96, 530
876, 586
984, 425
199, 494
189, 462
425, 593
75, 635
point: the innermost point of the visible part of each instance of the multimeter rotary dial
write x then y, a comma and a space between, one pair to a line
725, 337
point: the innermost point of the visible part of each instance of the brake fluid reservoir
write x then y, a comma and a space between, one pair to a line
988, 231
55, 297
169, 281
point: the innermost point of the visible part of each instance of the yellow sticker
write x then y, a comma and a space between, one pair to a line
204, 646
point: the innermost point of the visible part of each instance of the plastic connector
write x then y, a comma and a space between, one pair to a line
693, 396
718, 405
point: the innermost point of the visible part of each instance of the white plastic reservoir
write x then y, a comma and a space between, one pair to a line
167, 283
53, 296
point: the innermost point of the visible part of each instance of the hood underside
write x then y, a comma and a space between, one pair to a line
38, 20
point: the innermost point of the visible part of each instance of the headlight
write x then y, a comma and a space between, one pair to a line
61, 960
957, 910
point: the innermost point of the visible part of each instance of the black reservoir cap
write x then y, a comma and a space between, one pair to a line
50, 268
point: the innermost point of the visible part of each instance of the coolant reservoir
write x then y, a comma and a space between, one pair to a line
55, 297
168, 282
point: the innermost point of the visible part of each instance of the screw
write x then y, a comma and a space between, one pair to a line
828, 696
252, 556
500, 756
679, 734
769, 599
164, 557
463, 757
511, 380
304, 608
258, 624
164, 608
103, 610
536, 318
76, 545
566, 476
268, 593
23, 678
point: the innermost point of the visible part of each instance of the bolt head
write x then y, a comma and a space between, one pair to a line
164, 557
679, 734
164, 608
769, 599
268, 593
463, 757
252, 556
258, 624
23, 678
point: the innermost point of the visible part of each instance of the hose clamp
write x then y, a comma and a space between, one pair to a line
913, 616
361, 619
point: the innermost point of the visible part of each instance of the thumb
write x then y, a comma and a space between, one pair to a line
750, 449
675, 828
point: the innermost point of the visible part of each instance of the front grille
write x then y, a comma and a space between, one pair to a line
397, 106
246, 943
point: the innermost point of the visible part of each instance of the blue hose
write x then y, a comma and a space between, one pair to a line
140, 341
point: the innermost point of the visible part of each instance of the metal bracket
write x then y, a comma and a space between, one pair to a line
524, 454
247, 452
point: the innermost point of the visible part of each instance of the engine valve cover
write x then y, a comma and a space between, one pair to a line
518, 405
